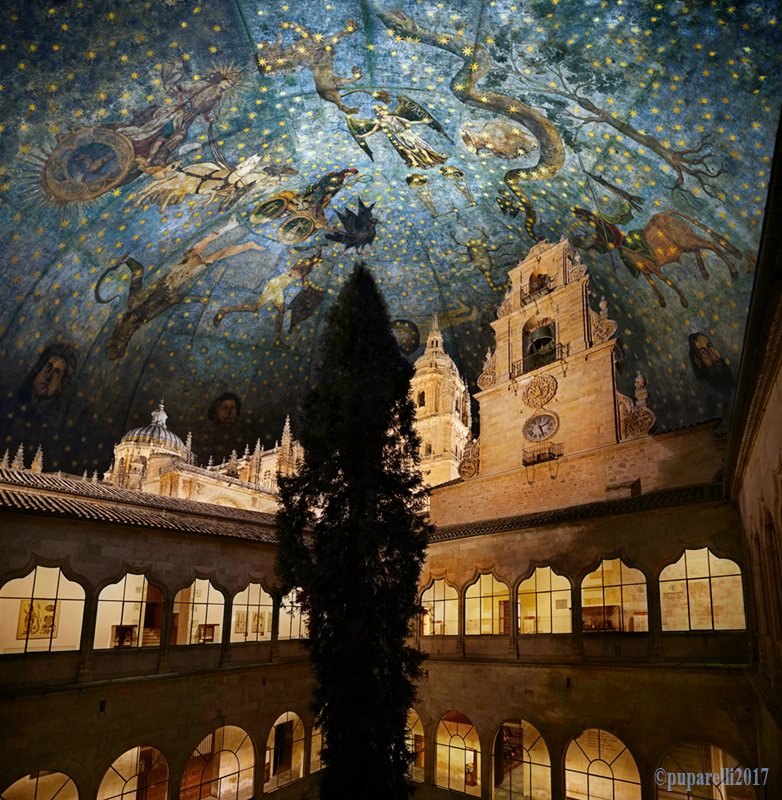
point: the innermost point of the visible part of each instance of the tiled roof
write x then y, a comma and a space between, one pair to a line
84, 500
643, 502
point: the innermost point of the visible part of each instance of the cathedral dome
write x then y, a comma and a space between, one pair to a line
156, 435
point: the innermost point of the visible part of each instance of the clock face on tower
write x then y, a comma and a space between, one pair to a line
541, 426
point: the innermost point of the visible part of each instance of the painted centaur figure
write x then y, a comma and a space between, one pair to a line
664, 239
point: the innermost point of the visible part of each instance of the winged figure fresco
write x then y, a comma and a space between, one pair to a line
396, 125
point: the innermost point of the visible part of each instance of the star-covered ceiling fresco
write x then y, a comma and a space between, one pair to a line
185, 186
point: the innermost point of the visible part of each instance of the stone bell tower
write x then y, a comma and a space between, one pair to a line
442, 407
549, 389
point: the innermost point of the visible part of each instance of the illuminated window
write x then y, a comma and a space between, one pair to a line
613, 598
222, 767
42, 785
522, 767
198, 614
702, 592
487, 607
415, 744
267, 479
130, 614
441, 610
728, 777
41, 612
458, 755
292, 623
315, 747
599, 766
284, 752
138, 774
251, 615
544, 603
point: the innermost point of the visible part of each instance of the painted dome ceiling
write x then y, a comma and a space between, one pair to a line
185, 186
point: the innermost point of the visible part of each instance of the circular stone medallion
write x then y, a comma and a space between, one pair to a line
539, 391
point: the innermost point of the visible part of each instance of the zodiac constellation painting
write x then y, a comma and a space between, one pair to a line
184, 187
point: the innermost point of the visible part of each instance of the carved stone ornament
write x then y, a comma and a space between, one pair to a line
505, 306
602, 327
539, 391
576, 269
488, 376
636, 418
470, 465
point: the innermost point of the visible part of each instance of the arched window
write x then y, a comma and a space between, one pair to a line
222, 767
458, 755
540, 346
415, 744
251, 615
487, 607
421, 399
702, 760
315, 747
599, 766
702, 592
613, 598
544, 603
441, 610
138, 774
292, 623
130, 613
198, 614
42, 785
522, 767
41, 612
284, 752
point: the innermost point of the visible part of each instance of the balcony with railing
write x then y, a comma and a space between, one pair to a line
538, 358
538, 285
540, 453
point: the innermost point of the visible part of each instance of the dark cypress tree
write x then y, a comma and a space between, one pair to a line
360, 494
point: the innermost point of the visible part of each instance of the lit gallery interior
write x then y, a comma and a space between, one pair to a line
572, 210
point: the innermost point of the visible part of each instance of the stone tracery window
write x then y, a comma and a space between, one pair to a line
487, 607
613, 598
42, 611
251, 615
284, 761
522, 766
221, 767
458, 755
416, 745
702, 592
441, 610
544, 603
198, 614
130, 614
599, 766
292, 622
42, 785
138, 774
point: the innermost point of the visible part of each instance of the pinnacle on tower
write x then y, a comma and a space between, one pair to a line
189, 442
19, 459
37, 465
435, 339
258, 449
247, 451
5, 464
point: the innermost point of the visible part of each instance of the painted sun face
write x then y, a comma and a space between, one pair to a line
540, 427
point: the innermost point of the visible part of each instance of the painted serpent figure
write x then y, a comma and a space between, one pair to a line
464, 85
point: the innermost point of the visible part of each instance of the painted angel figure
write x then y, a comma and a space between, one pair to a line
396, 125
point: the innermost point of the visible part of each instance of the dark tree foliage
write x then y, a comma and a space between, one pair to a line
360, 494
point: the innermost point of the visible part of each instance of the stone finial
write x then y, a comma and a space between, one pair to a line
247, 451
37, 465
233, 465
211, 463
159, 417
95, 477
85, 477
5, 463
641, 394
19, 459
189, 442
258, 449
